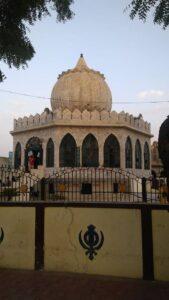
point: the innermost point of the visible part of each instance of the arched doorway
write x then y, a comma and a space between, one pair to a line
67, 151
146, 156
50, 149
17, 157
128, 153
33, 153
138, 155
111, 152
90, 152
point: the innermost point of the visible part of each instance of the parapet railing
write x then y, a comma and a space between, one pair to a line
113, 117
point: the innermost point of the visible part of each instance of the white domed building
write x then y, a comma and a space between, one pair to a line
81, 130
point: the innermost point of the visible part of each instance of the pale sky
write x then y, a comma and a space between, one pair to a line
132, 55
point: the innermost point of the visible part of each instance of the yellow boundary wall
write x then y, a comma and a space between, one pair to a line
120, 255
17, 250
47, 236
160, 220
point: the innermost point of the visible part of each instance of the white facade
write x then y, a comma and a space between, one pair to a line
71, 117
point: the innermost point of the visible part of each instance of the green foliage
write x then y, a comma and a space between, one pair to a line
15, 17
141, 8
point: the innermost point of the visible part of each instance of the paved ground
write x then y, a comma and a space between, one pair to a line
32, 285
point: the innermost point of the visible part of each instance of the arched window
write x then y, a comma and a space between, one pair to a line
128, 153
17, 157
138, 155
67, 151
50, 154
146, 156
33, 153
111, 152
90, 151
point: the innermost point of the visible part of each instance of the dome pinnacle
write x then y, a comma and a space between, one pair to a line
81, 64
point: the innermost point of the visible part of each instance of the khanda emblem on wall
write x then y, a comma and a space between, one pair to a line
1, 235
91, 241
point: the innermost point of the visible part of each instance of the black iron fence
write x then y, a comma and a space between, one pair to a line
93, 184
17, 185
82, 185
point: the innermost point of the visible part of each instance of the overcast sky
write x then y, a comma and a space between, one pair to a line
132, 55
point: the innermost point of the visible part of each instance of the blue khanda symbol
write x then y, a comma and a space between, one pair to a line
91, 241
1, 235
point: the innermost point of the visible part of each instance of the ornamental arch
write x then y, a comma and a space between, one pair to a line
67, 151
50, 150
17, 156
138, 155
128, 153
146, 156
90, 151
33, 153
112, 152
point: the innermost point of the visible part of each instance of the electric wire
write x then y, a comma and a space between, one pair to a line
114, 102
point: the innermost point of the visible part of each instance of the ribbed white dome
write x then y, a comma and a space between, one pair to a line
81, 88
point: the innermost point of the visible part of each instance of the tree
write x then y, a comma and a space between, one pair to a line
141, 8
163, 145
163, 148
15, 17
